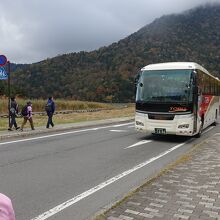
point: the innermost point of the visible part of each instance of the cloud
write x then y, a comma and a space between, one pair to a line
34, 30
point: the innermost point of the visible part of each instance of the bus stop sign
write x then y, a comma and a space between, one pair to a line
3, 74
3, 60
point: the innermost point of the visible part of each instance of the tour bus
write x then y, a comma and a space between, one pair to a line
178, 98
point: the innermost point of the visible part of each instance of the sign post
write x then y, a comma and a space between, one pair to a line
9, 92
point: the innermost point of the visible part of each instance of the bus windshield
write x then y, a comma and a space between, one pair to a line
172, 86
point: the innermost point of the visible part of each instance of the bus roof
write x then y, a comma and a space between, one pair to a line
175, 65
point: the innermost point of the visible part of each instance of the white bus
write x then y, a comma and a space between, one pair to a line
179, 98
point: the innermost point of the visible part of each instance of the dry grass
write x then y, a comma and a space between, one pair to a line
61, 104
75, 117
38, 106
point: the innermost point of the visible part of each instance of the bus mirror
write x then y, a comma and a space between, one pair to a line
141, 84
196, 90
136, 79
187, 86
194, 77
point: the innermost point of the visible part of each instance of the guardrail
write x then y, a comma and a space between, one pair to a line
64, 112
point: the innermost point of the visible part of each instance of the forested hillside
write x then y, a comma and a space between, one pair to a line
107, 74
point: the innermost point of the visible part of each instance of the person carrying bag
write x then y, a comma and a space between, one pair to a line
50, 109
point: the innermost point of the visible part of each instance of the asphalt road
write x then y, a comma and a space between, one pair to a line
73, 175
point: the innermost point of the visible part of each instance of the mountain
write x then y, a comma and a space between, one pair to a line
107, 74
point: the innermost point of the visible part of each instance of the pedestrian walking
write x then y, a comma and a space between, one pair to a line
27, 114
50, 109
6, 208
13, 111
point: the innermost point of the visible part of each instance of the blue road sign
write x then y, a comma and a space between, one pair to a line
3, 74
3, 60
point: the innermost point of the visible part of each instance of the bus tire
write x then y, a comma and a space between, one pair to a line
214, 123
198, 135
216, 117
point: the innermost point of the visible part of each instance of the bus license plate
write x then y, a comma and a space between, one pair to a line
160, 131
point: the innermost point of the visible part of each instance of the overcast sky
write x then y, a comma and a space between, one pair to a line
33, 30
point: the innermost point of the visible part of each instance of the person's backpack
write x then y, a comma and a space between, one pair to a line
48, 107
24, 111
12, 110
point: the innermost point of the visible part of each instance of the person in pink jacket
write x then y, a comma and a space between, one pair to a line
27, 114
6, 208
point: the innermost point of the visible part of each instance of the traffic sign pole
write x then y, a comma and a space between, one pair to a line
9, 92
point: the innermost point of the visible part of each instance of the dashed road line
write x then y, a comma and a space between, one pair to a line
118, 130
132, 126
138, 143
120, 125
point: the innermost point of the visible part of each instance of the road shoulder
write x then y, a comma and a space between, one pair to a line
186, 189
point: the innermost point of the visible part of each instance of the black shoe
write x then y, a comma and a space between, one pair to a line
17, 128
9, 129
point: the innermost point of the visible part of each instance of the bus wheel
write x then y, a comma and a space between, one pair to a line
216, 117
198, 135
214, 123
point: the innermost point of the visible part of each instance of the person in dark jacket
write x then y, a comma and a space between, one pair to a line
50, 109
13, 109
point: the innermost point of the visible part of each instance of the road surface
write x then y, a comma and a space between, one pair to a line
73, 175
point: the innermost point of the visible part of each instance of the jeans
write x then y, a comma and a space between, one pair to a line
50, 119
13, 121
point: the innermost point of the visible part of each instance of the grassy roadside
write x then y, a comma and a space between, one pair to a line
61, 104
75, 117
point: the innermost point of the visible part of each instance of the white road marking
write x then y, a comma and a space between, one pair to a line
60, 134
139, 143
116, 126
132, 126
102, 185
118, 130
206, 130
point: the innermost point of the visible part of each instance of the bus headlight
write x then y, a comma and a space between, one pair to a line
183, 126
139, 123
